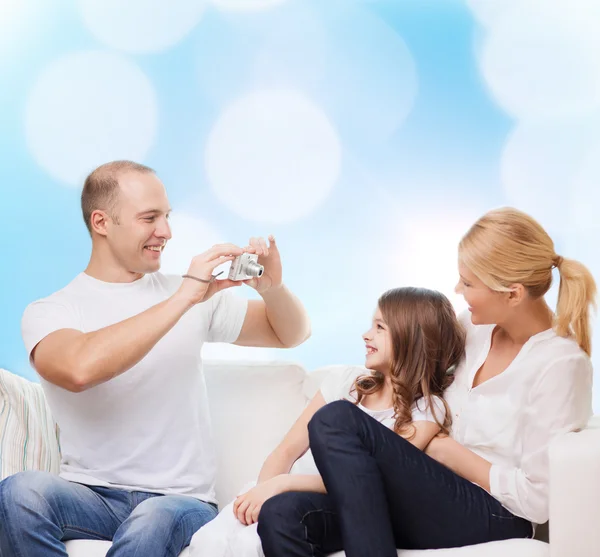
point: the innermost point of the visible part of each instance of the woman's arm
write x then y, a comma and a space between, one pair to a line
294, 444
559, 402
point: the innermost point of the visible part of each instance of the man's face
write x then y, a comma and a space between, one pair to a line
141, 230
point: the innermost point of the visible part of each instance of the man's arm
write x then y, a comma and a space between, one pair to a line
279, 320
77, 361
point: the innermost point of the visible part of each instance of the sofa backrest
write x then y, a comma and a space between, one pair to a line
252, 407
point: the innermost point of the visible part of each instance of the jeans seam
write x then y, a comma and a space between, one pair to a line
312, 547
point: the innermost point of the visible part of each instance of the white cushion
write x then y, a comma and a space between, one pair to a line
28, 435
252, 406
575, 484
505, 548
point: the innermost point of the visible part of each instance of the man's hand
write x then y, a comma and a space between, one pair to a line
202, 267
247, 506
268, 257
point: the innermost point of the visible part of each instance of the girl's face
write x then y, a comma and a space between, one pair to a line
486, 305
378, 341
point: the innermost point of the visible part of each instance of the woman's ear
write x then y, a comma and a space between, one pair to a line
517, 294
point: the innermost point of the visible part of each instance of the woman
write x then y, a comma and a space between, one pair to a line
525, 377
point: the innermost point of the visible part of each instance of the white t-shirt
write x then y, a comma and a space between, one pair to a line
510, 419
147, 429
338, 385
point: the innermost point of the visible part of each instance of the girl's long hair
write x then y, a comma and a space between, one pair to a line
427, 344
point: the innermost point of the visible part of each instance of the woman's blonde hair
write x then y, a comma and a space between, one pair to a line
427, 343
506, 246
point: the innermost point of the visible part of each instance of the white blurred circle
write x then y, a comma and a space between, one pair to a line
246, 5
86, 109
141, 25
540, 59
487, 12
538, 168
191, 236
273, 157
370, 81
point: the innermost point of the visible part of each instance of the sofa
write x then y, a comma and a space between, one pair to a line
253, 404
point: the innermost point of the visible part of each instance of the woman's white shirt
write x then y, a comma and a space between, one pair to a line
510, 419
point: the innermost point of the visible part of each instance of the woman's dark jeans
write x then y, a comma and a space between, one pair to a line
382, 493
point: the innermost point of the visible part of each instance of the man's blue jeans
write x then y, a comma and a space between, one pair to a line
40, 511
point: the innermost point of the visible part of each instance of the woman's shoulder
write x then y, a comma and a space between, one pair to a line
552, 350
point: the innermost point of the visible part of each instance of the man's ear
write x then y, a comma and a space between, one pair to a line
517, 294
99, 220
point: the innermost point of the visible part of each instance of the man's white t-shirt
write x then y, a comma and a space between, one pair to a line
338, 385
147, 429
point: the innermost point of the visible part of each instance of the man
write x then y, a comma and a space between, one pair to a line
118, 351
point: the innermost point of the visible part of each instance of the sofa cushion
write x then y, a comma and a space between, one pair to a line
252, 407
506, 548
28, 435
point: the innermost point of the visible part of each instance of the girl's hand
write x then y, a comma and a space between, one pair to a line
247, 506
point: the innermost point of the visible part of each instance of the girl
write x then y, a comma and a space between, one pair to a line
525, 377
414, 340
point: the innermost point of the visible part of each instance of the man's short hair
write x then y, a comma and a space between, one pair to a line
101, 188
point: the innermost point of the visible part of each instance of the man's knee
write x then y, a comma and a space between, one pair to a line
172, 518
25, 490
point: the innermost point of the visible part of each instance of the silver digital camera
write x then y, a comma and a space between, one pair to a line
245, 267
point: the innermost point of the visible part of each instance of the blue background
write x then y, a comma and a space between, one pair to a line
379, 131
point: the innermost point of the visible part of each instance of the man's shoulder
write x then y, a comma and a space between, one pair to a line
62, 296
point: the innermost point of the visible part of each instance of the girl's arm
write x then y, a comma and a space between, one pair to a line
294, 444
425, 432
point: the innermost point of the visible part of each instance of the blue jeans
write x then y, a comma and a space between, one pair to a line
40, 511
382, 493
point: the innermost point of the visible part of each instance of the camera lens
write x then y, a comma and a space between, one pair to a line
253, 269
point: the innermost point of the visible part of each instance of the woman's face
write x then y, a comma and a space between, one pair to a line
486, 305
378, 342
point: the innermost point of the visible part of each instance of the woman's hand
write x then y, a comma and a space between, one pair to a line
247, 506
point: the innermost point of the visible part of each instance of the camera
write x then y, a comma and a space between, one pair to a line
245, 267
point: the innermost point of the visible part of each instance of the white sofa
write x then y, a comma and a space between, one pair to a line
253, 404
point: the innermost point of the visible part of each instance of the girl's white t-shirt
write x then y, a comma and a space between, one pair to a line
338, 385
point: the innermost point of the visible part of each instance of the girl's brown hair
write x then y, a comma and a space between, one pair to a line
427, 343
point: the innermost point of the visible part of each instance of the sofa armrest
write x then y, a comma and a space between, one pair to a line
575, 493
